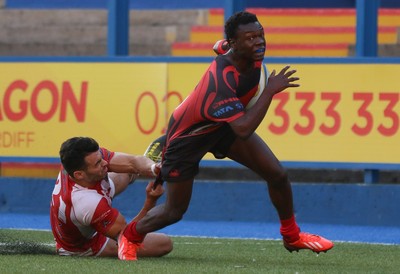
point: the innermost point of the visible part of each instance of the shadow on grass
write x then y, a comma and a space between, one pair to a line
10, 245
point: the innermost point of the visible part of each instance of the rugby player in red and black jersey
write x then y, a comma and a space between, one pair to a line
214, 118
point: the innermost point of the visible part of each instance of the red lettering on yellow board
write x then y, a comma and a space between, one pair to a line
21, 99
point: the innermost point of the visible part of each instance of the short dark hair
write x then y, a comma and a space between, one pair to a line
239, 18
73, 152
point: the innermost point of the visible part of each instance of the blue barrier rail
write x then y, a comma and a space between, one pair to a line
371, 170
375, 205
192, 4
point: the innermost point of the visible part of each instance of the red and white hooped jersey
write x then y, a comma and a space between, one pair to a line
79, 216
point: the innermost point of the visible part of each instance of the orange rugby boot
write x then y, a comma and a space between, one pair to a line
127, 251
309, 241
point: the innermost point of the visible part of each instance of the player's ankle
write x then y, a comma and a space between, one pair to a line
290, 238
290, 230
132, 234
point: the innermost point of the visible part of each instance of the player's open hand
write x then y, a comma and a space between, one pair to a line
282, 80
154, 193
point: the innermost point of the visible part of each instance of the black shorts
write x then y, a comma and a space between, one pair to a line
183, 155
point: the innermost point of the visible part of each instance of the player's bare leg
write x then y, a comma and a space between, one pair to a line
154, 245
178, 197
255, 154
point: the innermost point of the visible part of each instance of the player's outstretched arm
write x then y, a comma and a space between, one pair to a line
152, 195
281, 81
134, 164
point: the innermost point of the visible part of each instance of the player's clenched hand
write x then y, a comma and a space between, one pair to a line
282, 80
154, 193
155, 169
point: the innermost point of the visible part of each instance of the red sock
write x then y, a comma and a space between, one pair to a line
131, 233
290, 230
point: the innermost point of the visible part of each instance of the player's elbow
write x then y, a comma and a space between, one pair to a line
243, 132
242, 127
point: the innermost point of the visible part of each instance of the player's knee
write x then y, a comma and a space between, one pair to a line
175, 215
278, 179
165, 245
162, 246
156, 245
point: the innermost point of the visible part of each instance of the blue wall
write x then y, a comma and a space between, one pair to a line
348, 204
192, 4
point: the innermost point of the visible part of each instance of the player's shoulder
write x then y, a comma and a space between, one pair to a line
106, 154
85, 198
223, 61
84, 203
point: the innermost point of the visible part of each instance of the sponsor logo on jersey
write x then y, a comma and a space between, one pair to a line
224, 102
174, 173
106, 223
223, 111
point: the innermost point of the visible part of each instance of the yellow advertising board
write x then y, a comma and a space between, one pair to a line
43, 104
341, 112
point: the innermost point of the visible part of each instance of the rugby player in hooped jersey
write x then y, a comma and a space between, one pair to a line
214, 118
83, 221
